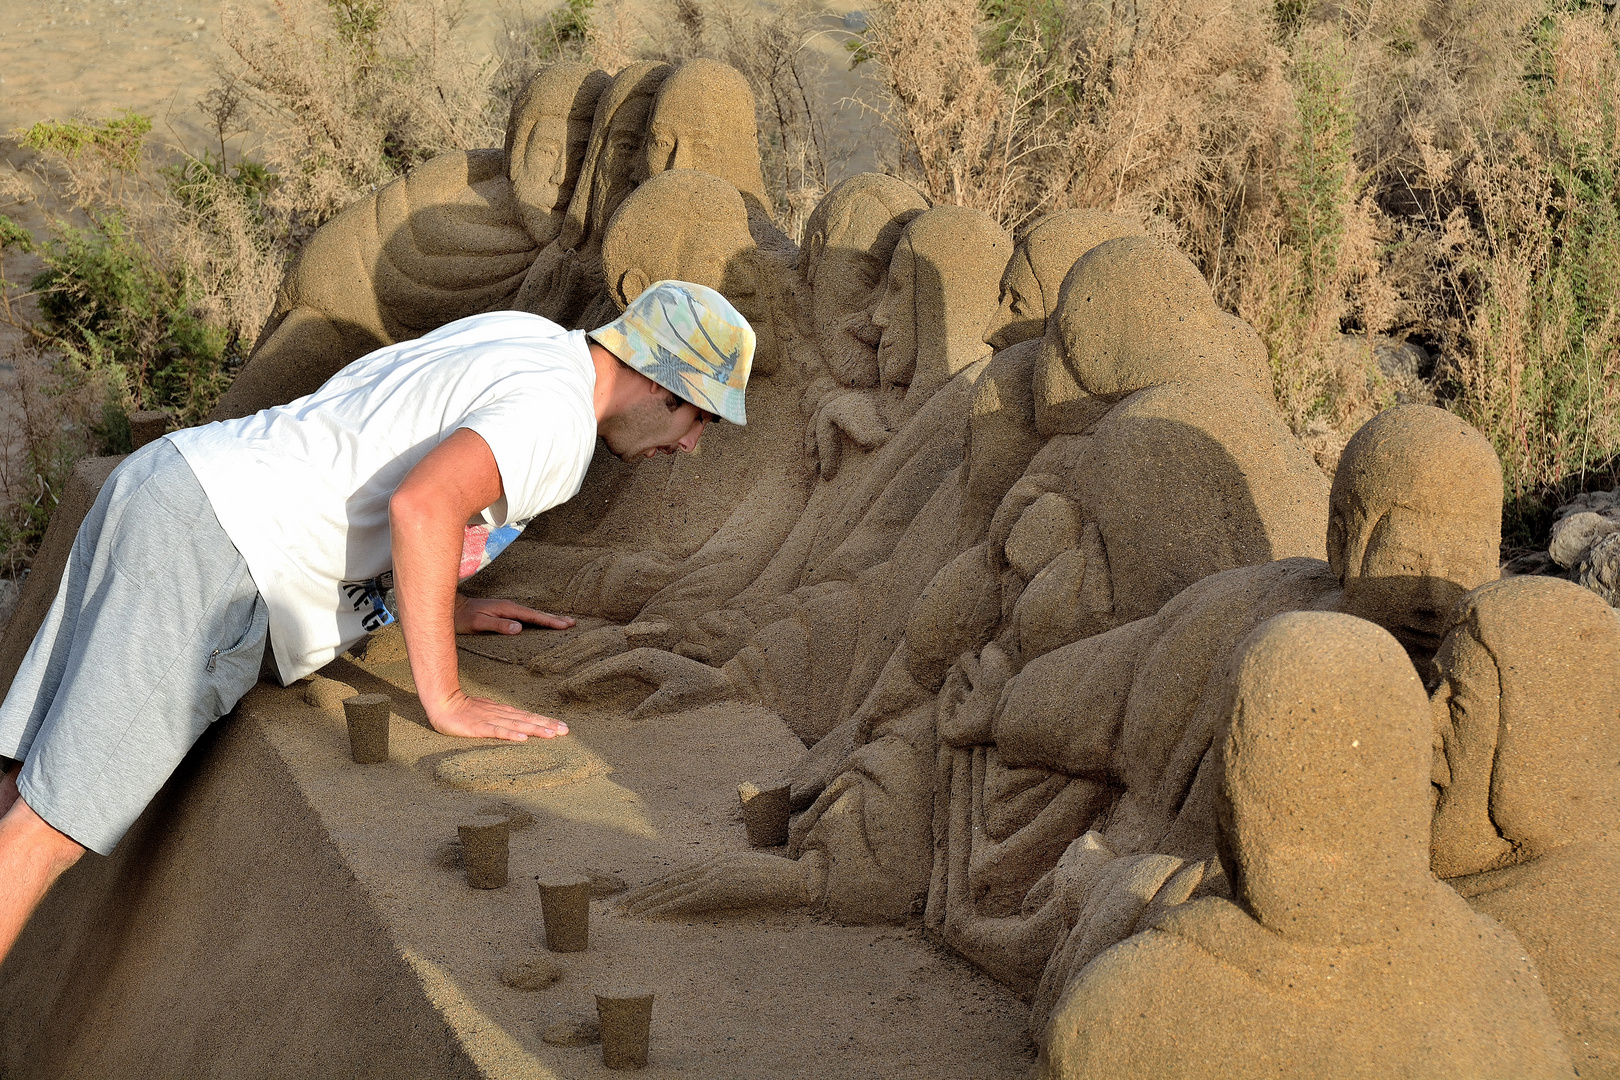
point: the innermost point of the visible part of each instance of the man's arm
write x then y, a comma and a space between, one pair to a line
428, 514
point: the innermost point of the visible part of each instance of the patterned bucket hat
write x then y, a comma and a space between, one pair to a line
688, 339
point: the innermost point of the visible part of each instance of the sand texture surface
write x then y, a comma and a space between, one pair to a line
461, 978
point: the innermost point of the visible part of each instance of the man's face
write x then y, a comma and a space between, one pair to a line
659, 423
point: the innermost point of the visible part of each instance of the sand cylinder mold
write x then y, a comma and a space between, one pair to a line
1017, 543
765, 812
626, 1018
484, 845
367, 715
565, 905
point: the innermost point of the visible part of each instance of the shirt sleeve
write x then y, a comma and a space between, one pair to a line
542, 444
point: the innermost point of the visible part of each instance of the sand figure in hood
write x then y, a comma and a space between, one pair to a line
1040, 262
567, 276
453, 238
849, 239
703, 118
1339, 953
1527, 819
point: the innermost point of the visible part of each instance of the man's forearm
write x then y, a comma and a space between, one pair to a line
427, 553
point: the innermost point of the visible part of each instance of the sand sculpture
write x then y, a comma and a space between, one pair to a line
1527, 822
1048, 806
1010, 530
455, 237
1338, 953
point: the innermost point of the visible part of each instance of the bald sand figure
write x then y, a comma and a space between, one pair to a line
1339, 953
566, 277
453, 238
1527, 819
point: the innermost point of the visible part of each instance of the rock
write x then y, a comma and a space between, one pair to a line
1599, 569
1574, 535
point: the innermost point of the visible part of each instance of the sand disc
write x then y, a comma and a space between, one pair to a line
527, 766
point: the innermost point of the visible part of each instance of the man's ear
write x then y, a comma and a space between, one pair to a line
632, 283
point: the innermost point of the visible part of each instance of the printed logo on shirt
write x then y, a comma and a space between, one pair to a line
480, 544
369, 599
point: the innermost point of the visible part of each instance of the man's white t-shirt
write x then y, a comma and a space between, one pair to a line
302, 489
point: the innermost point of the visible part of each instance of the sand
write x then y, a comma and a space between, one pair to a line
376, 900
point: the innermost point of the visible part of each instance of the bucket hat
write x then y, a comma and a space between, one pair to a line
688, 339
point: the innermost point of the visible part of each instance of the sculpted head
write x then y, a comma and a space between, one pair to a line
687, 225
546, 138
1414, 521
1035, 273
703, 118
849, 241
1529, 729
941, 290
614, 162
1134, 313
1322, 800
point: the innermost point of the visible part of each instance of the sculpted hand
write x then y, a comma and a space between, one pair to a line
606, 641
479, 718
852, 416
676, 682
475, 616
742, 879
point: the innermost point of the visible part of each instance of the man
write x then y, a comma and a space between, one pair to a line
421, 460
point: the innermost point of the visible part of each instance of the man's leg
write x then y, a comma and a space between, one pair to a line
32, 856
157, 630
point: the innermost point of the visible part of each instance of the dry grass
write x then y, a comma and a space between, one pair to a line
1438, 171
1441, 172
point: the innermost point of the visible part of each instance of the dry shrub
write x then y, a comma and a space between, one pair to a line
1536, 262
350, 93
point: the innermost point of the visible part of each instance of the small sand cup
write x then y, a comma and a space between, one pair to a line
565, 904
765, 812
626, 1017
368, 727
484, 851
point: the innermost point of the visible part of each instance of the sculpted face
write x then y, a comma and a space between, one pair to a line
849, 242
546, 141
704, 119
621, 165
896, 319
1022, 314
1416, 566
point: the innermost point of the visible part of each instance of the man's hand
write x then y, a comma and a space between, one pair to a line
475, 616
479, 718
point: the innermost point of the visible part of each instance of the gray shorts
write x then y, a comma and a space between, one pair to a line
157, 630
